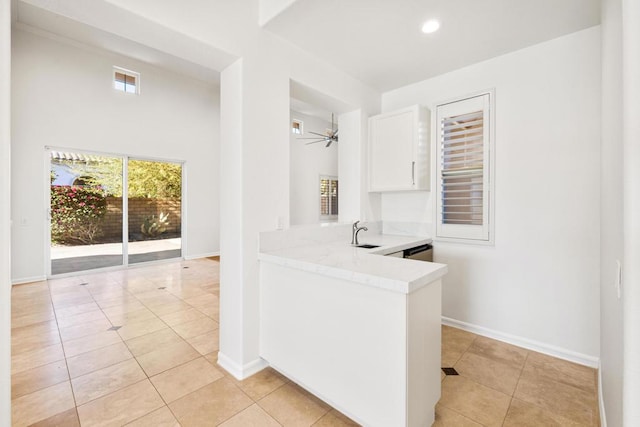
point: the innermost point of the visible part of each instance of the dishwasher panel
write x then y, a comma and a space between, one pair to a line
421, 253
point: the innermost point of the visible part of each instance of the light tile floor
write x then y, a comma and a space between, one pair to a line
139, 347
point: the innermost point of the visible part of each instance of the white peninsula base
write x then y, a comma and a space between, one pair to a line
370, 352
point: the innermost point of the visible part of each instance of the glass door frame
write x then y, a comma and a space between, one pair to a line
125, 209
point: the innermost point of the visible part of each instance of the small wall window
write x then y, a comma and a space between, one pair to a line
126, 80
297, 127
328, 197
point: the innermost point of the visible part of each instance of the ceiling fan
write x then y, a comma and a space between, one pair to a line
329, 137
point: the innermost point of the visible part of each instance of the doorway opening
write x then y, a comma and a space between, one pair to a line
112, 210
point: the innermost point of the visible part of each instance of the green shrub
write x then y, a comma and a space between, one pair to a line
77, 213
153, 226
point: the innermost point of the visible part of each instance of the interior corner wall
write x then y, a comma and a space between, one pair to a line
63, 96
5, 212
631, 206
611, 220
307, 164
540, 281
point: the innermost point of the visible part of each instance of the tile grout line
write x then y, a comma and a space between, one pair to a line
484, 385
159, 373
88, 373
67, 363
147, 378
64, 353
51, 304
513, 394
136, 360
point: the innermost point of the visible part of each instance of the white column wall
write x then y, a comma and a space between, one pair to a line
231, 270
5, 212
255, 196
631, 276
350, 164
611, 218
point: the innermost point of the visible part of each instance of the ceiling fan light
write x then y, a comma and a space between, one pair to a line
430, 26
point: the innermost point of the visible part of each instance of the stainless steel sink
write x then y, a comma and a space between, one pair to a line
366, 246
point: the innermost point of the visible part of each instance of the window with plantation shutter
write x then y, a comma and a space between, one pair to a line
463, 204
328, 197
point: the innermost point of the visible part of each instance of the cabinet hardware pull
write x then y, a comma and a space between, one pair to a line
413, 173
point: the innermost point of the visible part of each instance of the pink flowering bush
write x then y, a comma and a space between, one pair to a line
77, 213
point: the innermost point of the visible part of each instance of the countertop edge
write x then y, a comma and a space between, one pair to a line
432, 271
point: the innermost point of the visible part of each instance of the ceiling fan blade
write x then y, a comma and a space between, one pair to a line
336, 132
328, 143
319, 134
313, 142
312, 137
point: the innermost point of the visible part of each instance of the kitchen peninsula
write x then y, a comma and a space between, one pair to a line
358, 329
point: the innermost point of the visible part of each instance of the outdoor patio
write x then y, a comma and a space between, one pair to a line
67, 259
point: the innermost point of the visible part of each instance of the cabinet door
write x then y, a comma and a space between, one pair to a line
392, 151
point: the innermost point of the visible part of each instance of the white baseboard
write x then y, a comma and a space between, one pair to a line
603, 415
205, 255
24, 280
551, 350
241, 372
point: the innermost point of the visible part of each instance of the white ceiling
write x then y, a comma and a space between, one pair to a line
380, 42
377, 41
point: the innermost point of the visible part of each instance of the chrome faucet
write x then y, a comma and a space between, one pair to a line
354, 232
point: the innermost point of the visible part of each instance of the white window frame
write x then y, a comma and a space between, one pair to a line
126, 72
472, 234
300, 124
327, 217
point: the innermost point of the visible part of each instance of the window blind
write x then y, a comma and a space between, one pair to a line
462, 168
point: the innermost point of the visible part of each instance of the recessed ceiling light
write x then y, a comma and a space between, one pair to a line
430, 26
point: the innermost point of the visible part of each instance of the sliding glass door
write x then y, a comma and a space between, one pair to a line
85, 210
154, 210
95, 223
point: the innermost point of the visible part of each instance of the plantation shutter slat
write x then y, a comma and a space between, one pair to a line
462, 168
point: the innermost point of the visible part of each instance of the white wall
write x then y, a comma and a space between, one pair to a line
611, 225
63, 97
307, 164
5, 212
631, 271
355, 201
540, 281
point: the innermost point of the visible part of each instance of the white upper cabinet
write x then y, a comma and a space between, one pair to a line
399, 150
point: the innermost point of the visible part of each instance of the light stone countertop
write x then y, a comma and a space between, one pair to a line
340, 260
